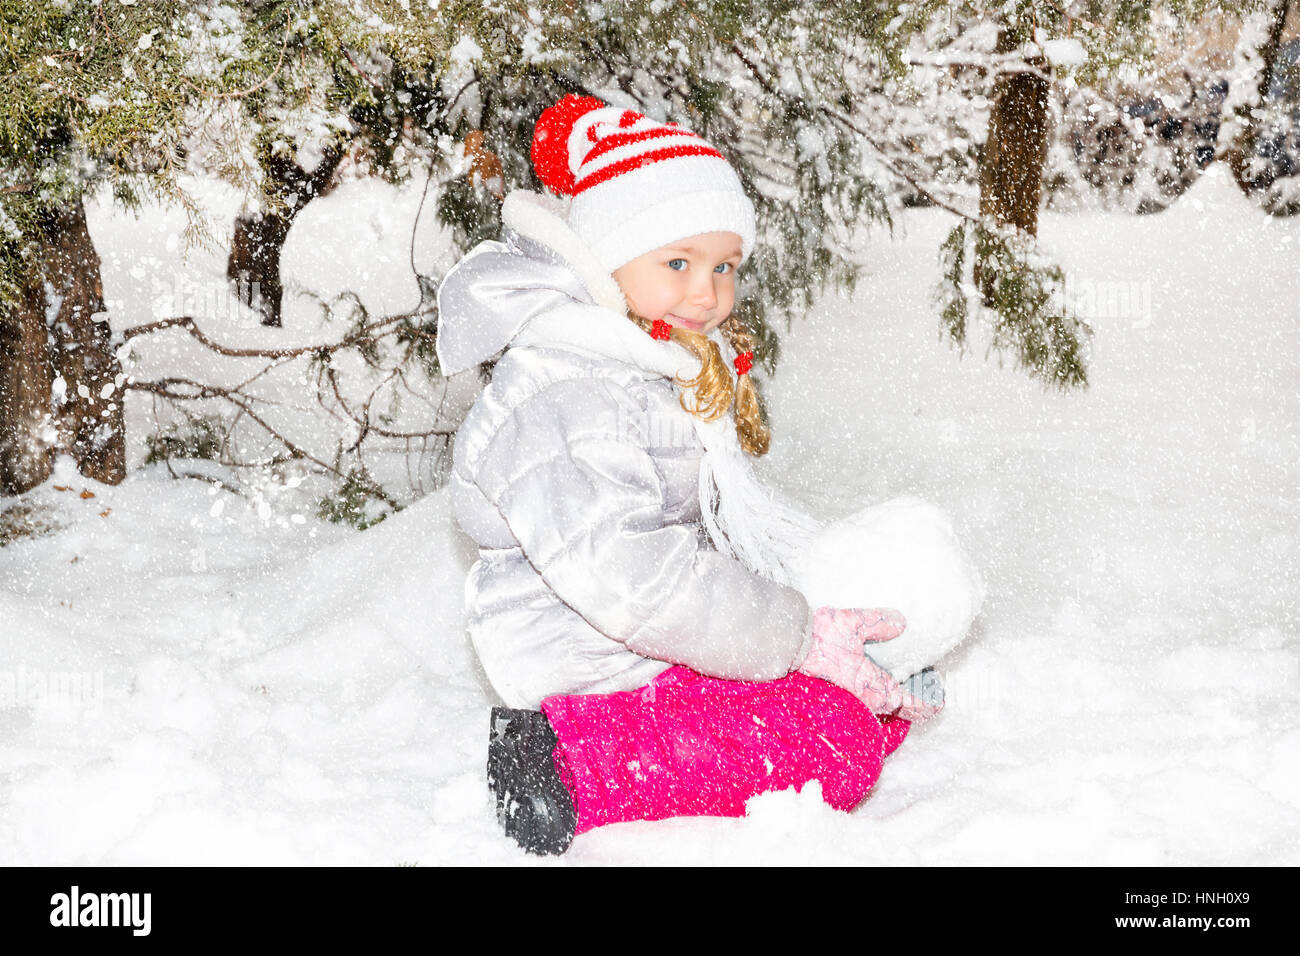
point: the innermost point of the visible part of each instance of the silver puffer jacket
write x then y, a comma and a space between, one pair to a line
577, 473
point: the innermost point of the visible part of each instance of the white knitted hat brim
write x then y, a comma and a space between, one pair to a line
632, 214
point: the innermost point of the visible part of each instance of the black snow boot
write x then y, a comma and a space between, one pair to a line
533, 805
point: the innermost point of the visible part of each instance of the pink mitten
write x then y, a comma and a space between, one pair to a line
851, 627
839, 655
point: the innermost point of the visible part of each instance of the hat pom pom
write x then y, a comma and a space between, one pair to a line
550, 151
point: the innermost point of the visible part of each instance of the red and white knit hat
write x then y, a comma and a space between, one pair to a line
636, 184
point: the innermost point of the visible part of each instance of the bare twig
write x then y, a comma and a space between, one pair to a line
180, 389
357, 66
456, 99
991, 63
363, 420
419, 210
370, 333
164, 387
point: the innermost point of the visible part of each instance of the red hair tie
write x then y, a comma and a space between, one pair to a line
744, 362
660, 330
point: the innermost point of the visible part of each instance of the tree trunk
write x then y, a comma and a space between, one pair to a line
26, 381
1011, 167
52, 334
254, 264
1241, 150
90, 422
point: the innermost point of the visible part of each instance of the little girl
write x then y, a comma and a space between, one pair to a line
633, 579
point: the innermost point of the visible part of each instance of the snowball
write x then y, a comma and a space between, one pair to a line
465, 52
1065, 52
902, 554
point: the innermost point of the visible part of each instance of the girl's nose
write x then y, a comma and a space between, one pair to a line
703, 294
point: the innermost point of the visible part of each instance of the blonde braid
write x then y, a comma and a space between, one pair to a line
754, 435
712, 392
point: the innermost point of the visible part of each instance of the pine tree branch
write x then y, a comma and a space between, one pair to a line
240, 94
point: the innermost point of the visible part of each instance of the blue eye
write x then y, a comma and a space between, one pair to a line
724, 267
677, 264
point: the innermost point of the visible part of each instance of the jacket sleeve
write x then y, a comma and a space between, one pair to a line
571, 477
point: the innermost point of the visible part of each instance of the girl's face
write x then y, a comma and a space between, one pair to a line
690, 283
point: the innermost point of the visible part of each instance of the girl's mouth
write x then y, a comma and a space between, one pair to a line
688, 323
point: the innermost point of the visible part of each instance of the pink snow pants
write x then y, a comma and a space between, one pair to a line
690, 745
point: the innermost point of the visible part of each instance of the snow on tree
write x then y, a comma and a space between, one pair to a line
832, 113
133, 95
993, 269
1247, 113
1139, 135
88, 95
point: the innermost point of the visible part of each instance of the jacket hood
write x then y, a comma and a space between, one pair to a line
500, 286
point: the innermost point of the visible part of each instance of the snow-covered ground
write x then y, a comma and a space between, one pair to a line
193, 676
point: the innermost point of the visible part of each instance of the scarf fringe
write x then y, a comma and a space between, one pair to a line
743, 517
